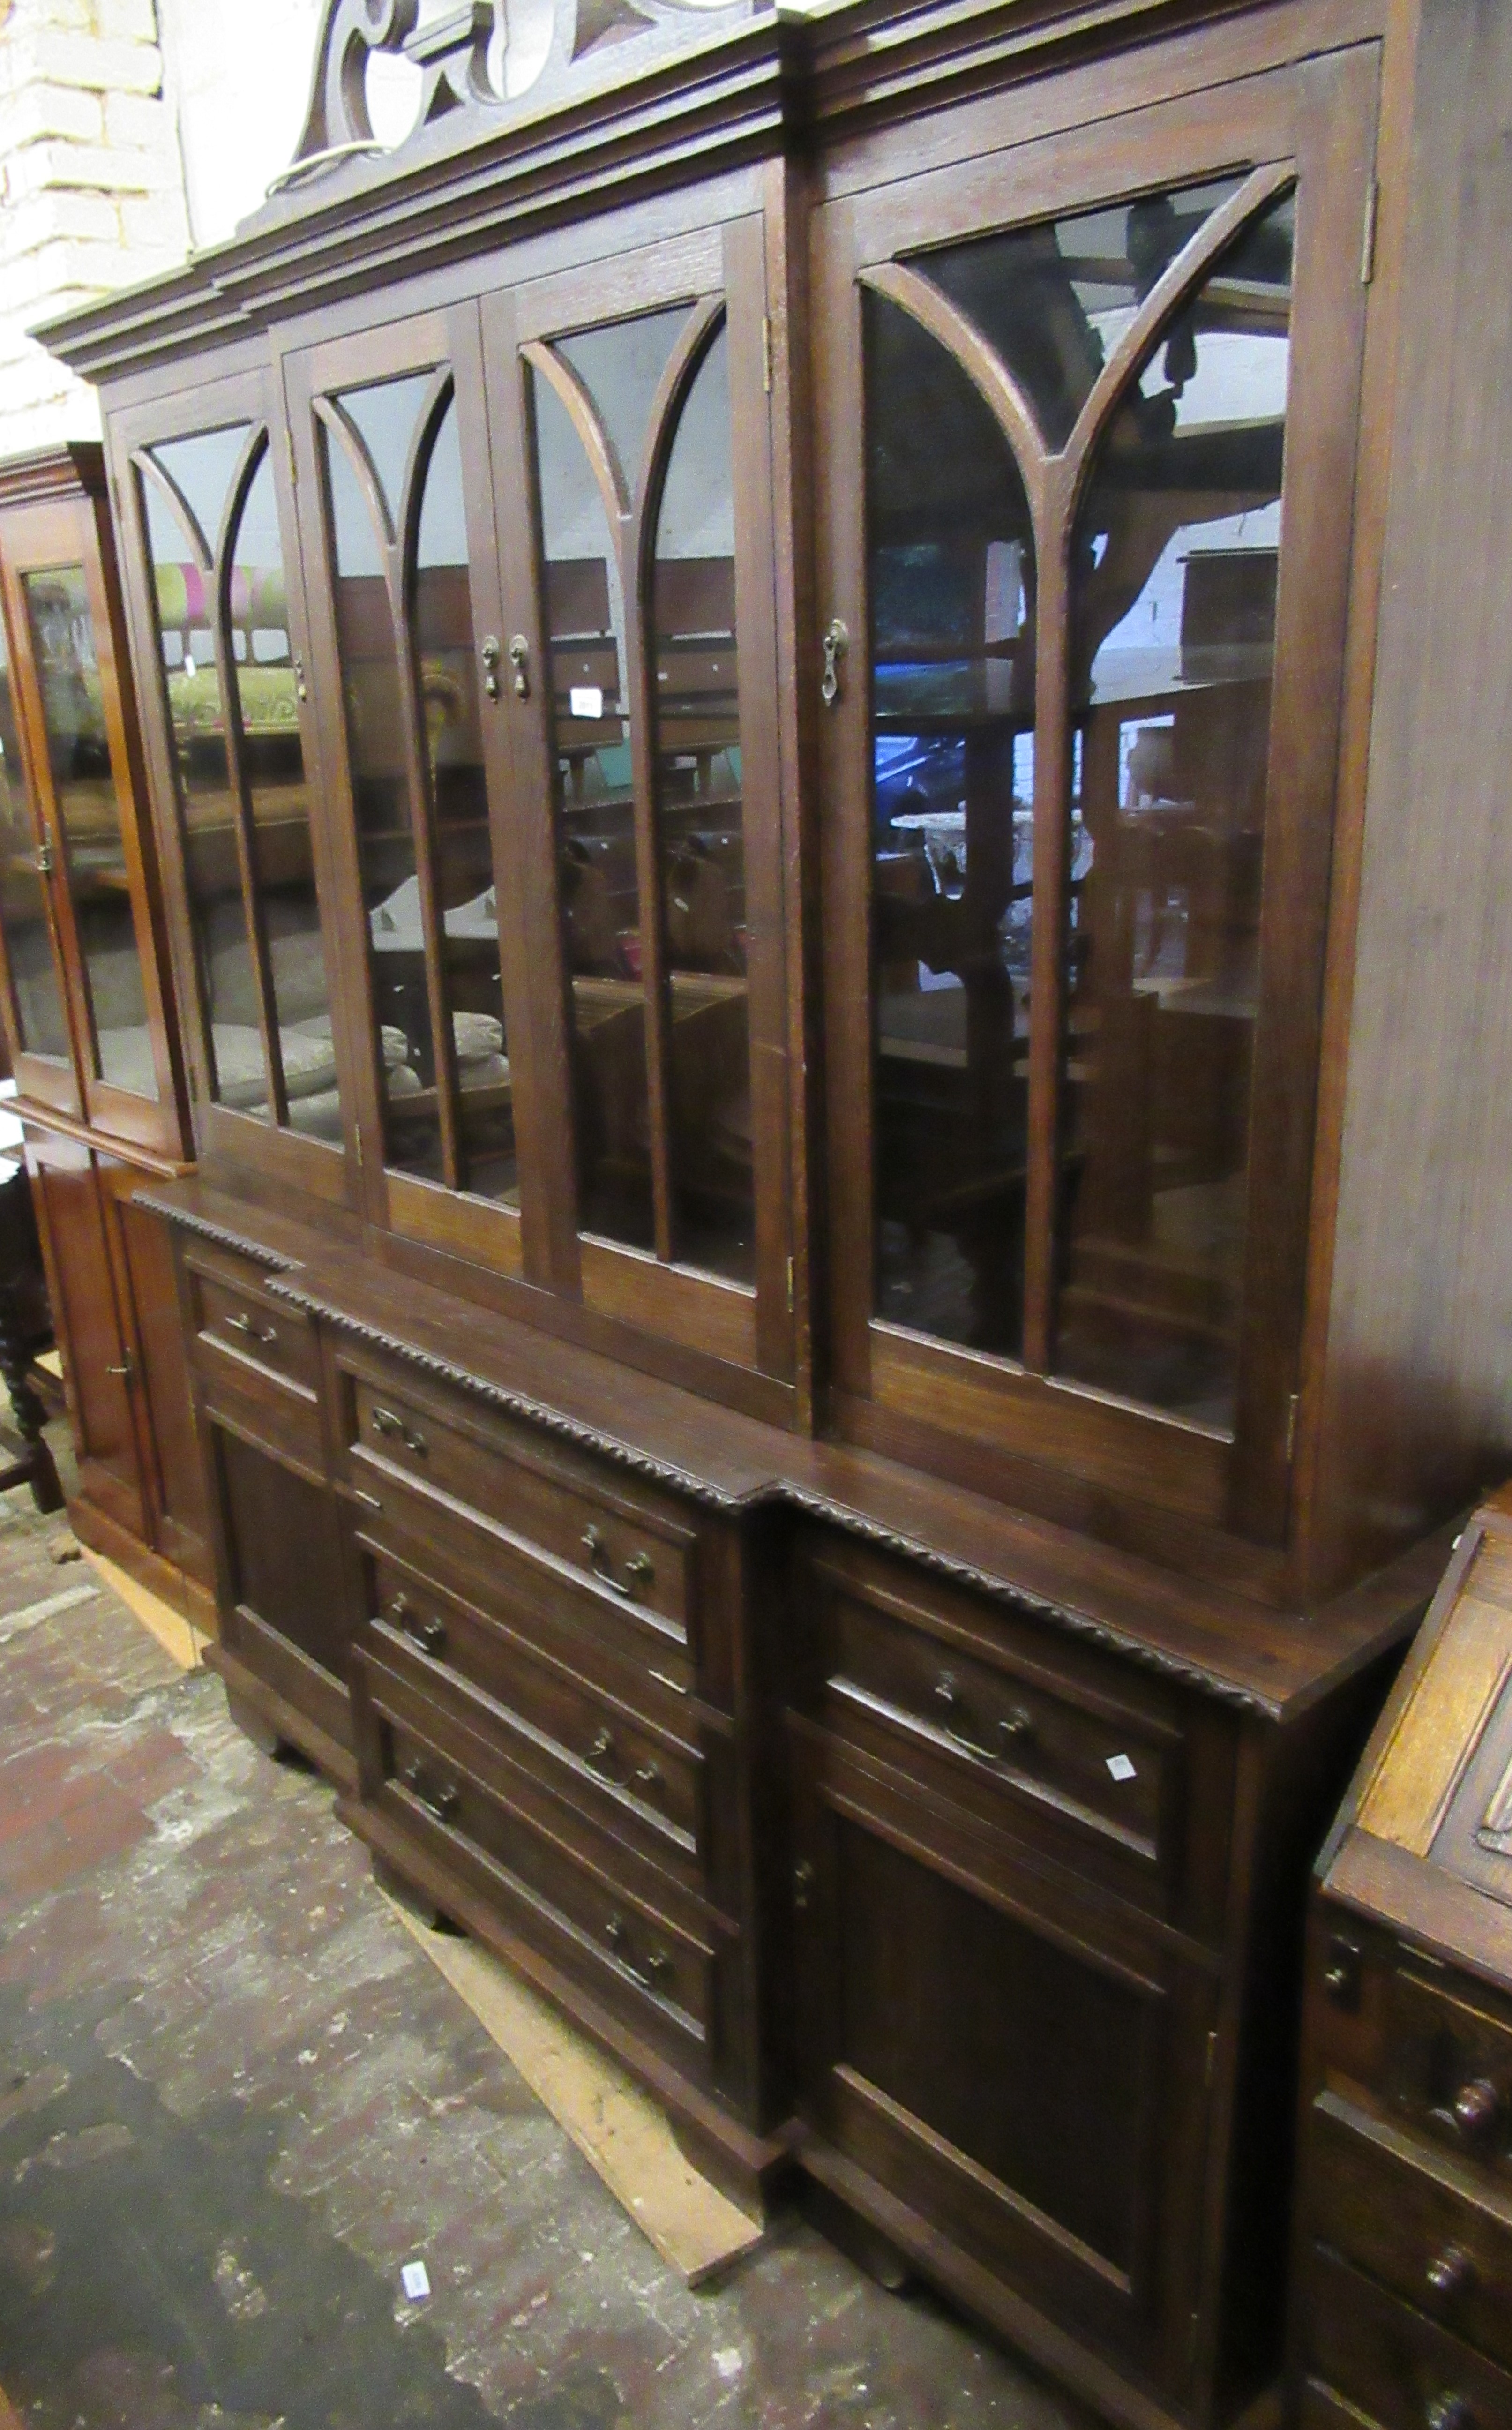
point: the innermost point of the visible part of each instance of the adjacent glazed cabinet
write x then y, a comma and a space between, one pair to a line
89, 1019
759, 674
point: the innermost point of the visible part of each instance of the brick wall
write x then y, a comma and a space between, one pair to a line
92, 189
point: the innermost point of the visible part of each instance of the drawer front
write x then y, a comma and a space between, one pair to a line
629, 1777
1417, 2221
1450, 2068
992, 1726
657, 1961
640, 1556
1392, 2363
281, 1417
480, 1559
234, 1320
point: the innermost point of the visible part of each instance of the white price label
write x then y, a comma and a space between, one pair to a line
586, 700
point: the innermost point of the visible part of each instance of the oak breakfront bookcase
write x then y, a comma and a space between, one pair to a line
87, 1006
782, 686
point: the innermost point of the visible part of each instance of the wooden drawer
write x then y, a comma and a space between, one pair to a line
1448, 2066
920, 1675
639, 1552
653, 1954
470, 1551
1415, 2219
1392, 2363
632, 1778
235, 1320
279, 1416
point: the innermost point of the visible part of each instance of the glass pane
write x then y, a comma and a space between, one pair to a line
40, 1028
200, 469
192, 683
699, 841
371, 691
595, 833
951, 576
89, 813
1174, 605
386, 415
1054, 300
453, 746
273, 761
620, 366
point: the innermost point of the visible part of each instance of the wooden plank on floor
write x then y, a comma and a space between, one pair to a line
175, 1634
697, 2230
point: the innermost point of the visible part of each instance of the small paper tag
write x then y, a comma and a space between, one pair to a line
1119, 1766
586, 700
415, 2280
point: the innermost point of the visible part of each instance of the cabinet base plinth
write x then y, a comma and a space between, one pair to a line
265, 1715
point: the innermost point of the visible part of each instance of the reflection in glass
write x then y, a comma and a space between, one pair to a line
196, 710
1173, 622
89, 815
951, 579
454, 750
386, 415
370, 691
595, 831
1054, 300
40, 1028
273, 761
700, 840
621, 366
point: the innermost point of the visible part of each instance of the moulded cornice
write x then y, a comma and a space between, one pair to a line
54, 472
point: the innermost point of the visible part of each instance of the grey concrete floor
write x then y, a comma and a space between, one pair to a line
235, 2100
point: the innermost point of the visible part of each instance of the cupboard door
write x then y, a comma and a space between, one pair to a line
148, 1294
633, 480
1081, 700
282, 1582
1025, 2072
72, 691
233, 760
98, 1370
41, 1048
390, 428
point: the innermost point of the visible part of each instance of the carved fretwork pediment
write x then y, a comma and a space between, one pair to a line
486, 56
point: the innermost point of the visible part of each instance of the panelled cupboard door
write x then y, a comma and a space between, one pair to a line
1086, 440
203, 479
390, 435
1025, 2071
629, 411
83, 934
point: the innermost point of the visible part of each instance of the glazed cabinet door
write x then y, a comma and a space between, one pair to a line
1087, 432
390, 433
218, 628
84, 934
1023, 2070
630, 418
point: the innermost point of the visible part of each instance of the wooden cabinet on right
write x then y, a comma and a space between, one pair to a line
1403, 2292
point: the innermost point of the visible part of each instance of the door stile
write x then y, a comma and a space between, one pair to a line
53, 1084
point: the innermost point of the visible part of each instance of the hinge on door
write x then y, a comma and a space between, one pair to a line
1373, 199
1211, 2060
1293, 1407
293, 467
765, 352
127, 1371
790, 1286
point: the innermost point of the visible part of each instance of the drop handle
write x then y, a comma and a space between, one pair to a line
639, 1570
425, 1632
804, 1878
1016, 1724
1450, 2274
301, 687
441, 1801
385, 1423
836, 642
41, 860
520, 660
652, 1971
601, 1757
489, 652
1449, 2411
251, 1330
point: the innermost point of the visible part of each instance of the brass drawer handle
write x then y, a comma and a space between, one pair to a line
441, 1801
385, 1423
263, 1333
1451, 2272
1448, 2412
654, 1968
804, 1878
639, 1570
425, 1631
1016, 1723
601, 1758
